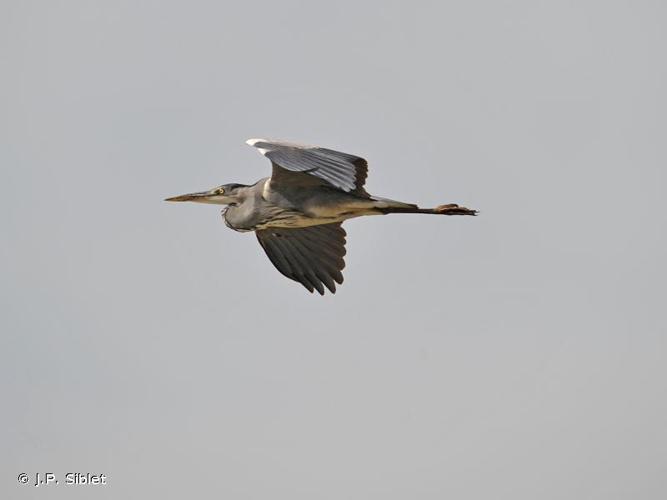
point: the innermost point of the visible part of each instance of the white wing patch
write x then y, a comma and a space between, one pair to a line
252, 142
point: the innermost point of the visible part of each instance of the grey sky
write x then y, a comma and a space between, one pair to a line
517, 355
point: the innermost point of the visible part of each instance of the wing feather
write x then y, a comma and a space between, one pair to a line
312, 256
340, 170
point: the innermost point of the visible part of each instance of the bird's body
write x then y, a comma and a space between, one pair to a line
268, 205
297, 212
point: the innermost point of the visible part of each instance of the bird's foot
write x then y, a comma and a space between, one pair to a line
454, 209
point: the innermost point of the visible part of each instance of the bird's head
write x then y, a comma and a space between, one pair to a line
227, 194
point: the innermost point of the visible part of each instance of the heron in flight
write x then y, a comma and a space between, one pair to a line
298, 212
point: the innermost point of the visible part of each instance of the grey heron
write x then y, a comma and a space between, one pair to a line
297, 213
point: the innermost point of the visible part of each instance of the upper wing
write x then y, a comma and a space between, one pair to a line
341, 170
311, 255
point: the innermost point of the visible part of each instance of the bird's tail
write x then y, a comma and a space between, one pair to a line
387, 206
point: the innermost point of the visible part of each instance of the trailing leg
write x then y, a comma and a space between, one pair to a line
450, 209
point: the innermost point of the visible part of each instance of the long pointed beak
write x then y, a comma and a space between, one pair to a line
191, 197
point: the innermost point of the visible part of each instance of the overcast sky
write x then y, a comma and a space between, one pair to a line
516, 355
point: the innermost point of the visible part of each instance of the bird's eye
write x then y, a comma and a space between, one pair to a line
220, 191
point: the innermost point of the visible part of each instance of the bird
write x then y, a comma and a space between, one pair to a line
297, 213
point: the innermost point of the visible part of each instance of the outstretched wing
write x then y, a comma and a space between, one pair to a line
311, 255
340, 170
